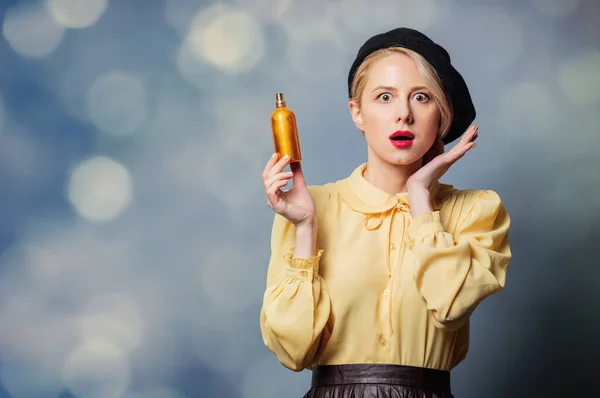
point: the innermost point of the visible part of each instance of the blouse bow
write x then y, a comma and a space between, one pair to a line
376, 205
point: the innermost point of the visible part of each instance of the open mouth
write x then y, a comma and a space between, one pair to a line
402, 139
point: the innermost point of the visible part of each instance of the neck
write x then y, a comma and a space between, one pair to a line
388, 177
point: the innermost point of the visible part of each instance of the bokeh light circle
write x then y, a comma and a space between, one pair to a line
96, 369
77, 13
117, 103
100, 189
31, 31
231, 39
579, 77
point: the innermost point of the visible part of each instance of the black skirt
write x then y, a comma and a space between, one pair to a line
378, 381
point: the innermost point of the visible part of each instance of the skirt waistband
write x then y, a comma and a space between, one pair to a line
409, 376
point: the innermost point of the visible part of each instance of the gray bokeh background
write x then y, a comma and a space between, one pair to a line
133, 229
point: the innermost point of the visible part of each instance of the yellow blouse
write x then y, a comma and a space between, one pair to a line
383, 287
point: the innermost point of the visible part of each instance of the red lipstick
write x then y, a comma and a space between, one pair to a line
402, 139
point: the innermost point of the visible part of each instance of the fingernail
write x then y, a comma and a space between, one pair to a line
286, 157
273, 155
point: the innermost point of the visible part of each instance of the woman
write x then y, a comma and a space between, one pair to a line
373, 278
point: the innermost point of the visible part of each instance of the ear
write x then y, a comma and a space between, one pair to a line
356, 114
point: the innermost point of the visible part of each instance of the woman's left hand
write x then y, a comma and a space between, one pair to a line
438, 166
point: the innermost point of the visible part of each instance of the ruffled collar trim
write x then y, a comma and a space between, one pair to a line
363, 197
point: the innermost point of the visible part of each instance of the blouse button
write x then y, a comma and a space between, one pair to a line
386, 292
383, 342
392, 246
304, 274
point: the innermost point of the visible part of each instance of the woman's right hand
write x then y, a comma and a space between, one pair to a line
295, 204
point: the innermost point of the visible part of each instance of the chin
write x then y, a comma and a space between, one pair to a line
403, 159
398, 157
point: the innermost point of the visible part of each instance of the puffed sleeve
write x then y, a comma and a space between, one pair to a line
296, 303
456, 271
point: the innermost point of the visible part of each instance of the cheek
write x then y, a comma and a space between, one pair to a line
374, 117
368, 119
372, 127
431, 121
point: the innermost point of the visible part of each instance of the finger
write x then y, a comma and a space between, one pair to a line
463, 150
475, 133
280, 165
274, 192
270, 164
466, 148
274, 197
468, 136
465, 136
298, 174
459, 151
278, 183
278, 177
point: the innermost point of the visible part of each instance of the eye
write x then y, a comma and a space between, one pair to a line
421, 97
385, 97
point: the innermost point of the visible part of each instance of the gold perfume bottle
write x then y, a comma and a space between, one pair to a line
285, 131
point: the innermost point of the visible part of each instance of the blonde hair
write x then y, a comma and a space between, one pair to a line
435, 86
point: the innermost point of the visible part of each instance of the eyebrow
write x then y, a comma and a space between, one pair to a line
390, 88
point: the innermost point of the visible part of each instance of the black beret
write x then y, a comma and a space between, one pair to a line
438, 57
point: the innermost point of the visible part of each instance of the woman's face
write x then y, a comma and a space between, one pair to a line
395, 101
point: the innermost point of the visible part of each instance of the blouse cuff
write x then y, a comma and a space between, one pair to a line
303, 268
424, 224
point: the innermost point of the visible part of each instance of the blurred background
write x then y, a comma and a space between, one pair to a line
134, 236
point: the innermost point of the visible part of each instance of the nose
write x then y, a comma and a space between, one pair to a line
404, 113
